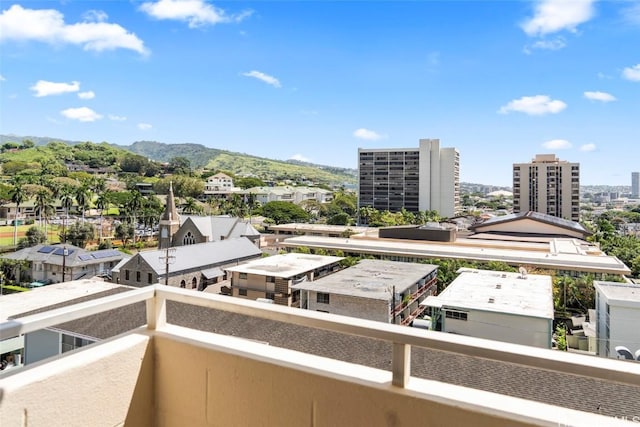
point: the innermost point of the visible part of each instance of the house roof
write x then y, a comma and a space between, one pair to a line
498, 292
76, 256
535, 216
215, 227
623, 294
285, 189
201, 255
537, 384
369, 278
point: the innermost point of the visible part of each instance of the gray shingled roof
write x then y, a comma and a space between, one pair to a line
216, 226
201, 255
551, 387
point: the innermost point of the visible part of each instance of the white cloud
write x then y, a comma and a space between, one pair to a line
117, 118
631, 13
144, 126
2, 79
537, 105
196, 13
86, 95
45, 88
599, 96
632, 73
367, 134
557, 144
300, 158
95, 16
555, 44
552, 16
264, 77
588, 147
82, 114
48, 26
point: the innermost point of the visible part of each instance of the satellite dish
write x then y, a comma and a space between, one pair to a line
523, 272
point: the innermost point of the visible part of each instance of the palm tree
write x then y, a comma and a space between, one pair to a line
66, 199
83, 196
103, 202
191, 206
133, 206
43, 200
18, 195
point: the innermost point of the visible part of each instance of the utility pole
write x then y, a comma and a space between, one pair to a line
65, 253
169, 257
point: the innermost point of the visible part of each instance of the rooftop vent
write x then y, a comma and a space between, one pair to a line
492, 300
498, 286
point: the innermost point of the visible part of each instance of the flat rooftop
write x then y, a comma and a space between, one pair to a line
619, 292
371, 279
498, 291
285, 265
470, 249
45, 296
318, 228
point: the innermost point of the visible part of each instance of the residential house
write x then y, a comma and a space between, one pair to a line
386, 291
219, 184
273, 277
63, 262
617, 317
502, 306
289, 193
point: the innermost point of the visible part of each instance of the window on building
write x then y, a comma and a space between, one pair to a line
271, 279
242, 292
70, 342
188, 239
243, 275
149, 278
270, 295
458, 315
194, 283
322, 298
183, 284
126, 275
137, 276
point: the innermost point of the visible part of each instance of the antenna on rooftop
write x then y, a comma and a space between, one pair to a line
523, 272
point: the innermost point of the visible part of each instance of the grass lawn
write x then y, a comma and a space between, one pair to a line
6, 233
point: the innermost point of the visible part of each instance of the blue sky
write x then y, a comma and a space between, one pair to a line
501, 81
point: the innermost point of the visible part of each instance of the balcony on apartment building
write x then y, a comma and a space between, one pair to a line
298, 368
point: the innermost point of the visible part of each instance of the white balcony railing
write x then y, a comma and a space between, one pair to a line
402, 338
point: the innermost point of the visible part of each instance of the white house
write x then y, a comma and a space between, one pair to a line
501, 306
618, 317
288, 193
219, 184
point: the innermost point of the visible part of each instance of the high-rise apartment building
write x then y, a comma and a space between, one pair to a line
547, 185
416, 179
635, 185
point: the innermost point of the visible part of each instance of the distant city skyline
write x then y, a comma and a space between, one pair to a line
315, 81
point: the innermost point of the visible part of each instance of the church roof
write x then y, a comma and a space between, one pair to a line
218, 227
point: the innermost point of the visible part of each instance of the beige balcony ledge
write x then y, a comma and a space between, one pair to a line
165, 375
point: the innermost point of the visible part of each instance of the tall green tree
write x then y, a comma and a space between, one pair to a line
18, 195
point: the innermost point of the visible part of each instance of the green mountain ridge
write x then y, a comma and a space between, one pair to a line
215, 159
